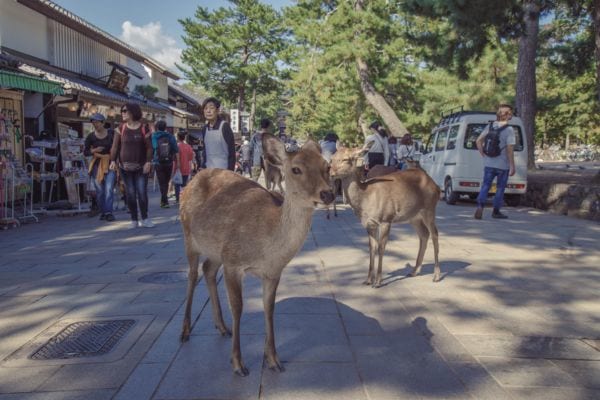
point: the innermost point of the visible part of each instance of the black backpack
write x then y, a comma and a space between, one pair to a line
163, 150
491, 143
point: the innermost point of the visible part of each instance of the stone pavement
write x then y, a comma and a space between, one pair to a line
516, 315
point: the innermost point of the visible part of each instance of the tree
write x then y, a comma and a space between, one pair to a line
233, 51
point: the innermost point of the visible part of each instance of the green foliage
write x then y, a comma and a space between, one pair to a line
148, 91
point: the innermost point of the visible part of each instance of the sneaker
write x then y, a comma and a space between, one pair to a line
102, 217
146, 223
478, 213
165, 205
133, 224
499, 215
109, 217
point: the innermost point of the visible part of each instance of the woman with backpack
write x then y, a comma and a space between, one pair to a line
132, 148
166, 159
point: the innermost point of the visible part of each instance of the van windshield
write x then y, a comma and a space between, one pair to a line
474, 130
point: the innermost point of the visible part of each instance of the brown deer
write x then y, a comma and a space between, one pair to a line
273, 176
402, 196
235, 222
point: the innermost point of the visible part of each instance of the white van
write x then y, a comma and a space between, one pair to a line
452, 160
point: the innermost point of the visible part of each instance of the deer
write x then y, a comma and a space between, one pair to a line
273, 176
391, 197
233, 221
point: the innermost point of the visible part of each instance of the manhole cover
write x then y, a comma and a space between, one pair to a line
164, 277
84, 339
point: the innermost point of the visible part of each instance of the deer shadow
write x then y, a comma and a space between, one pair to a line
448, 268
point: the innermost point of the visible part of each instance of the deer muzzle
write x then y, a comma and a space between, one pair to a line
327, 196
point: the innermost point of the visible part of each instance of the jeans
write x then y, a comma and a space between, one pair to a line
104, 190
163, 174
489, 174
184, 180
136, 187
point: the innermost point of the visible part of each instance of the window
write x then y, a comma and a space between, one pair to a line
429, 147
452, 137
440, 141
474, 130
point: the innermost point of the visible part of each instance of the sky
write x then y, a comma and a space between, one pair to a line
149, 25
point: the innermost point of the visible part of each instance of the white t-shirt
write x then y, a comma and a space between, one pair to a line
507, 136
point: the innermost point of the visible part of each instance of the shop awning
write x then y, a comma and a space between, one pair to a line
15, 80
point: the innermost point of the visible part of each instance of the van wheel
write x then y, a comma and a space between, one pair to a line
512, 200
450, 195
473, 196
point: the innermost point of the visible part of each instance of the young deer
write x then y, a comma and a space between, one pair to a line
403, 196
235, 222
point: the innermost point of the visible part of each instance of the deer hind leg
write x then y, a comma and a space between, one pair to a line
384, 233
193, 259
373, 246
423, 234
269, 292
210, 269
434, 238
233, 281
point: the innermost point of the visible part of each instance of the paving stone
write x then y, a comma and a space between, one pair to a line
526, 372
313, 381
554, 393
534, 347
20, 380
479, 382
202, 370
585, 373
143, 382
105, 394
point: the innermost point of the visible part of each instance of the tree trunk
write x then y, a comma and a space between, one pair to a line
526, 83
596, 19
374, 98
378, 102
252, 111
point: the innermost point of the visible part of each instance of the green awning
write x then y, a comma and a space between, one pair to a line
15, 80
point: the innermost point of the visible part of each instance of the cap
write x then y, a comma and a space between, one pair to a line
97, 117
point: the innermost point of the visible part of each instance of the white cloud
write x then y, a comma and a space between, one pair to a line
151, 40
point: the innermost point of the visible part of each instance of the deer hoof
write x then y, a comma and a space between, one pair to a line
225, 332
242, 371
367, 282
276, 366
184, 337
436, 277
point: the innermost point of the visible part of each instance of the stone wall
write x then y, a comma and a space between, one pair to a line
572, 199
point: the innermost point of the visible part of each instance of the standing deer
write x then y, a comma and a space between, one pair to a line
235, 222
403, 196
273, 176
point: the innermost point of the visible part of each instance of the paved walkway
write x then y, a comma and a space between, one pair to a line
516, 315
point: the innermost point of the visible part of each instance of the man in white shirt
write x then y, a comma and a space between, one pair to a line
376, 145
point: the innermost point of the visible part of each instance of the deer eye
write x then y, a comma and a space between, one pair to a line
296, 171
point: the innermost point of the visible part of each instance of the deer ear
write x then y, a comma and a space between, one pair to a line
273, 149
311, 144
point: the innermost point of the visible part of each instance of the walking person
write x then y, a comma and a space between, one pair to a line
376, 145
406, 151
217, 138
132, 147
258, 163
246, 158
166, 154
186, 159
329, 146
496, 145
97, 145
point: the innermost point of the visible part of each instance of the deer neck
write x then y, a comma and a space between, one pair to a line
353, 190
293, 226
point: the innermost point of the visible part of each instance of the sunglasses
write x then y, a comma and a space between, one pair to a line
124, 110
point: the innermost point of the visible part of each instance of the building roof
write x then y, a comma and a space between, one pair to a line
186, 95
65, 17
75, 85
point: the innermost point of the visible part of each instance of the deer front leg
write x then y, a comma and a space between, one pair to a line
434, 238
373, 246
233, 281
384, 232
269, 292
210, 269
192, 281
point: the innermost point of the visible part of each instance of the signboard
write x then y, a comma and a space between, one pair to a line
235, 120
118, 80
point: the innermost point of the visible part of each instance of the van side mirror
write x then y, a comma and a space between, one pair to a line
422, 149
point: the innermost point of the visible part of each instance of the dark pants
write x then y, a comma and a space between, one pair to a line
184, 180
489, 174
163, 174
375, 159
136, 187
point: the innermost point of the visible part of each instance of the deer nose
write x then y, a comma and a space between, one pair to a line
327, 196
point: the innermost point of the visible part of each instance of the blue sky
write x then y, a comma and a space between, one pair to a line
149, 25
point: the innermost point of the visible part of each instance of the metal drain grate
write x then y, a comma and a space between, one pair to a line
84, 339
164, 277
